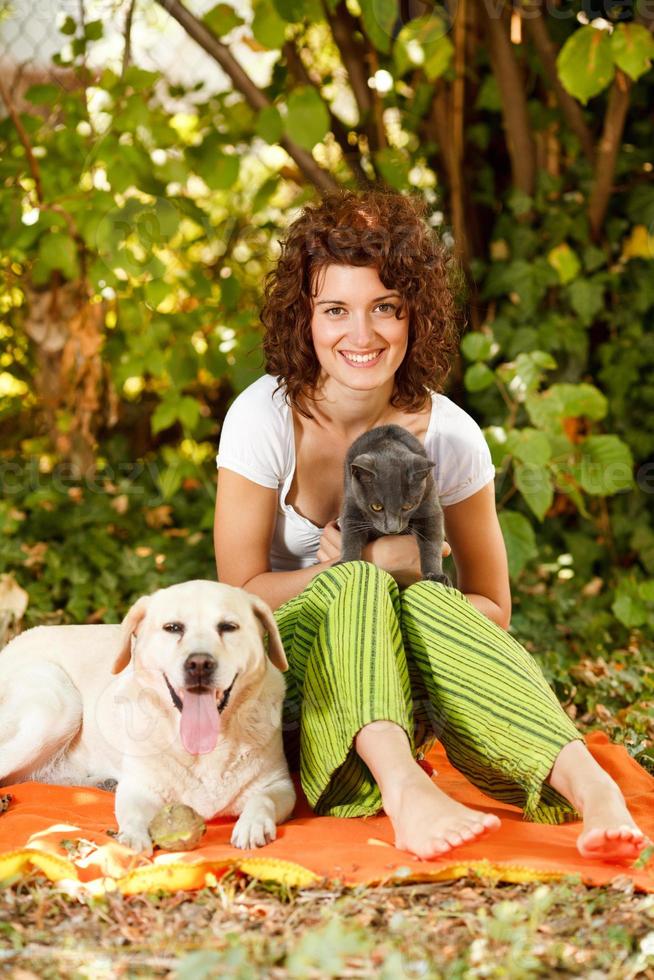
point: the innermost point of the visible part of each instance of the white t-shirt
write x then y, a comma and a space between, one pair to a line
257, 441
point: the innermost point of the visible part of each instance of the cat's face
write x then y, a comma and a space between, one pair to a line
389, 491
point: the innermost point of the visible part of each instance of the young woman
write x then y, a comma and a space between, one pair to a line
359, 318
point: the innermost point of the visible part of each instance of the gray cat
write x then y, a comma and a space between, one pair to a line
390, 489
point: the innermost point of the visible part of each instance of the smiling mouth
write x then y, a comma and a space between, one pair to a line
220, 704
361, 360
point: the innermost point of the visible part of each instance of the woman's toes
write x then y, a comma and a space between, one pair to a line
490, 821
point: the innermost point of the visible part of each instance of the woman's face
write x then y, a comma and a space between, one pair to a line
357, 338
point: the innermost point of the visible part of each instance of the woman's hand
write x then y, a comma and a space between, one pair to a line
397, 551
330, 543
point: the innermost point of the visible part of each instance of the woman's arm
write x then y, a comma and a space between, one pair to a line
474, 532
243, 528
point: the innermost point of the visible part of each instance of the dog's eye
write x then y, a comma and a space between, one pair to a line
227, 628
174, 627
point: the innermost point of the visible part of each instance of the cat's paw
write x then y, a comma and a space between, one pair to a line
441, 578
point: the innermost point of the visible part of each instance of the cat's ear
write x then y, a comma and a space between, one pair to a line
421, 467
362, 468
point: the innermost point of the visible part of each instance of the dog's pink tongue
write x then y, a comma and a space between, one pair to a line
200, 722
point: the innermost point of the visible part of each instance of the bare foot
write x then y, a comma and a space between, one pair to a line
427, 822
609, 833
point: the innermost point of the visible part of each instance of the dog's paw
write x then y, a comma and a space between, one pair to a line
252, 832
442, 579
136, 840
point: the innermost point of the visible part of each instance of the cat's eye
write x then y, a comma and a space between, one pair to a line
408, 506
377, 508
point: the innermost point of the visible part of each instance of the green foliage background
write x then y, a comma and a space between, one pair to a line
139, 220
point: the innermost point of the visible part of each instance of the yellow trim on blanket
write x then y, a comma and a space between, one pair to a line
182, 876
173, 875
513, 874
23, 861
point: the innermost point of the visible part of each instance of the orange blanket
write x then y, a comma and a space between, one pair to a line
62, 832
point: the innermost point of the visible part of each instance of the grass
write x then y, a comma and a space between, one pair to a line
242, 929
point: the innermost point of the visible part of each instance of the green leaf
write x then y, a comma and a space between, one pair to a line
530, 446
477, 346
58, 251
606, 465
628, 607
165, 414
269, 124
526, 372
94, 30
307, 120
489, 96
224, 173
394, 165
156, 292
632, 46
221, 19
496, 439
525, 282
268, 27
535, 485
585, 63
519, 539
547, 409
478, 377
230, 291
188, 412
565, 261
420, 42
586, 298
44, 94
438, 58
379, 17
296, 10
69, 26
218, 170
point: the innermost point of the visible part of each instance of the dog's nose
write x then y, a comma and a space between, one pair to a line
199, 669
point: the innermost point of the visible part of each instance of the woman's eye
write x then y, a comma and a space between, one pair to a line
376, 507
389, 306
174, 627
339, 309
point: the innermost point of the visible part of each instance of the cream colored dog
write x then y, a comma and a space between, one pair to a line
179, 704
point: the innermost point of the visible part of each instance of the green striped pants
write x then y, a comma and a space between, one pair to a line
359, 650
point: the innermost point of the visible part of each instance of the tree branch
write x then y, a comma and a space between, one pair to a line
607, 151
297, 68
537, 28
461, 243
24, 138
220, 53
127, 49
355, 56
519, 138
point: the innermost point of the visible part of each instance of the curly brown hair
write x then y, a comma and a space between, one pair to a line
376, 228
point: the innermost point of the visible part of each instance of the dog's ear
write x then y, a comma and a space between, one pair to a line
129, 626
263, 612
